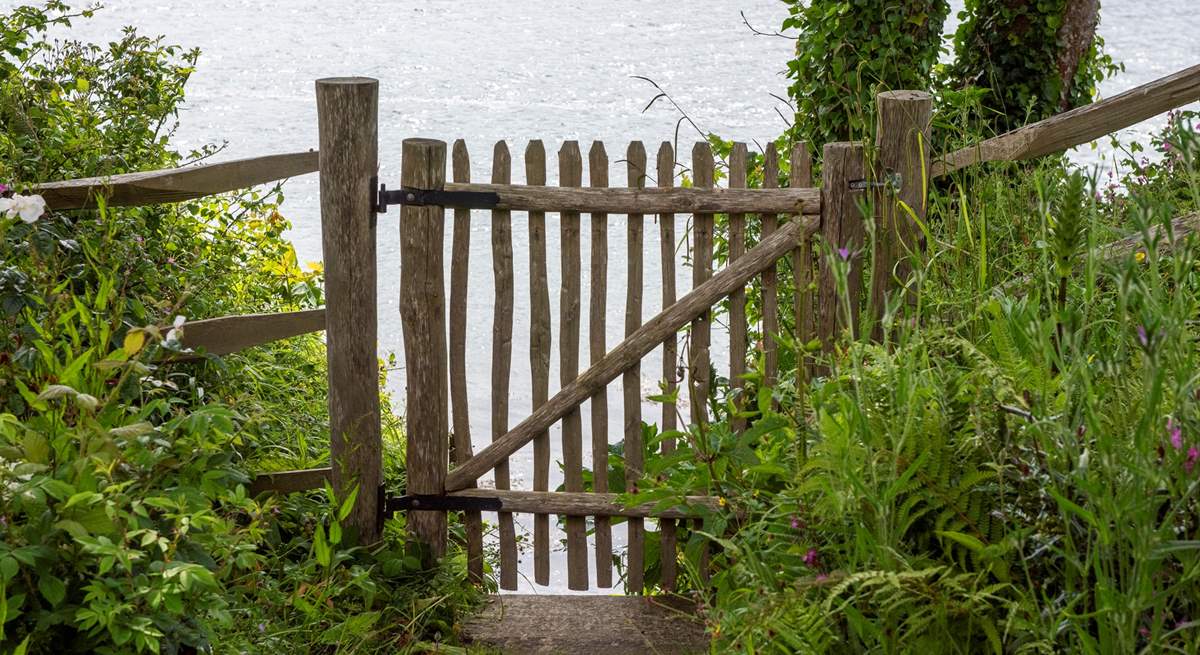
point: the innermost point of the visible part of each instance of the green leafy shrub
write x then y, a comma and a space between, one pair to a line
125, 525
846, 52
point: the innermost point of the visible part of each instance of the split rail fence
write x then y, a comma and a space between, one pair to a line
791, 222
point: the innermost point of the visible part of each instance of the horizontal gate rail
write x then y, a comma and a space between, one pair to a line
633, 349
574, 503
650, 200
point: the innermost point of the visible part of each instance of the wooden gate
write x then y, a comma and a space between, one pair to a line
436, 328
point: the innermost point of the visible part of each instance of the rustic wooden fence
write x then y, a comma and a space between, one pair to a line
435, 328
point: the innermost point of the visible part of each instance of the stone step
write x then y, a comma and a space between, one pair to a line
595, 625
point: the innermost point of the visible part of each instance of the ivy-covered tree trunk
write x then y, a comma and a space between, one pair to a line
1035, 57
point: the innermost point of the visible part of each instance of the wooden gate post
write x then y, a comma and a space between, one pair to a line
347, 118
423, 318
904, 119
842, 229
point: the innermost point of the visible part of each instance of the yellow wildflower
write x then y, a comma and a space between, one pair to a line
1140, 257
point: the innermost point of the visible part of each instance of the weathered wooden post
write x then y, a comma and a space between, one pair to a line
904, 119
347, 119
842, 229
423, 318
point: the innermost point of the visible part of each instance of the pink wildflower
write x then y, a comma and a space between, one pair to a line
1176, 434
4, 188
1192, 456
795, 523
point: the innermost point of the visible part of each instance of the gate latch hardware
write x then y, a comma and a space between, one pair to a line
891, 180
389, 505
382, 198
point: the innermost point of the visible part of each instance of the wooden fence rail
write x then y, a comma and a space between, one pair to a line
1082, 125
176, 184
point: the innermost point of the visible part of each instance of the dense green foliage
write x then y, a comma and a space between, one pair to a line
846, 52
1010, 51
125, 525
1017, 470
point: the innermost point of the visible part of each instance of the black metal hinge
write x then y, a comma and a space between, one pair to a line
891, 180
382, 198
389, 505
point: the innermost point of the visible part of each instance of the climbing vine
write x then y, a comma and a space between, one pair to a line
848, 51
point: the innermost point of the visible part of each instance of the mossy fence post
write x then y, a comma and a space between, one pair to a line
347, 118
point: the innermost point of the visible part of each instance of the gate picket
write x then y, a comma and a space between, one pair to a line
635, 158
737, 301
598, 174
459, 276
570, 174
666, 226
539, 355
502, 327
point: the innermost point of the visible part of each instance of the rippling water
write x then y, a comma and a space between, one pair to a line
553, 70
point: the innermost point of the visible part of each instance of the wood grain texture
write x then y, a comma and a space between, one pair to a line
652, 200
803, 272
598, 406
570, 174
461, 449
738, 339
502, 329
1079, 126
230, 334
631, 350
423, 319
286, 482
631, 382
593, 625
566, 503
770, 277
699, 360
347, 115
176, 184
666, 233
842, 230
902, 140
539, 355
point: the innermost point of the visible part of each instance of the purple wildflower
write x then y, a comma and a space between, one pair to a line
810, 558
844, 253
1142, 337
4, 188
1176, 434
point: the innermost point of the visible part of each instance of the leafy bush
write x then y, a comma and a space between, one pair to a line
1017, 471
125, 524
846, 52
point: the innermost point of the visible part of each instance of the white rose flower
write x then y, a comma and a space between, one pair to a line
29, 208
